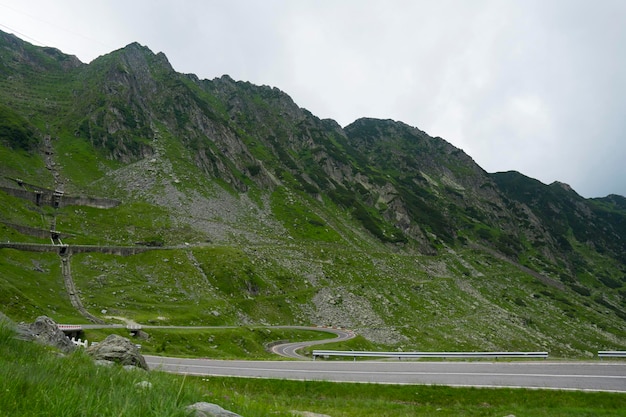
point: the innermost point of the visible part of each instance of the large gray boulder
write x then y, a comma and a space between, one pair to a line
117, 349
203, 409
44, 330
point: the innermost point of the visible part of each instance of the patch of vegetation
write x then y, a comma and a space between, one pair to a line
15, 131
14, 211
26, 166
32, 285
299, 218
125, 224
79, 161
372, 222
369, 218
139, 288
201, 286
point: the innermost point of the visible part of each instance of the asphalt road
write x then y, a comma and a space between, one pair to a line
606, 376
289, 350
594, 376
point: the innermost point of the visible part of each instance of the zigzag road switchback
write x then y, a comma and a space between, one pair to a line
584, 376
289, 350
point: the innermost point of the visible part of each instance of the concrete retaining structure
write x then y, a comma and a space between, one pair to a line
35, 232
67, 249
58, 199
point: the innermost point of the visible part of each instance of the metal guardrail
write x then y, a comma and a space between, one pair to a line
611, 354
415, 355
70, 327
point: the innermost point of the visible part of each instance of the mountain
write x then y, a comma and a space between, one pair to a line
234, 205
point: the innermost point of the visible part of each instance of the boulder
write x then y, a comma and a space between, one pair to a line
203, 409
117, 349
44, 330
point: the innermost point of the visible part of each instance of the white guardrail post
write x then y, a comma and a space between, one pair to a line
416, 355
79, 342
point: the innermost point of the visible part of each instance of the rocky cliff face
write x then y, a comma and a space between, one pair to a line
568, 218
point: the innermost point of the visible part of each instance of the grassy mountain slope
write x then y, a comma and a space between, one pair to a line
256, 211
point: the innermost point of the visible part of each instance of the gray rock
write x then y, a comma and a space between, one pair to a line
307, 414
102, 362
44, 330
142, 335
118, 349
203, 409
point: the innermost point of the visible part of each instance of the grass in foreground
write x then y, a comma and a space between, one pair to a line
35, 381
364, 400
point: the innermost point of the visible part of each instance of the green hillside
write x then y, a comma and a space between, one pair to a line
168, 199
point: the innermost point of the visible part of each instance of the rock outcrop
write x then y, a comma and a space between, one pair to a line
44, 330
118, 349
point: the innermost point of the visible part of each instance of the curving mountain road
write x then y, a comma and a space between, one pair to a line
289, 350
576, 376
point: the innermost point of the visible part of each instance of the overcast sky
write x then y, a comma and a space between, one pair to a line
536, 86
